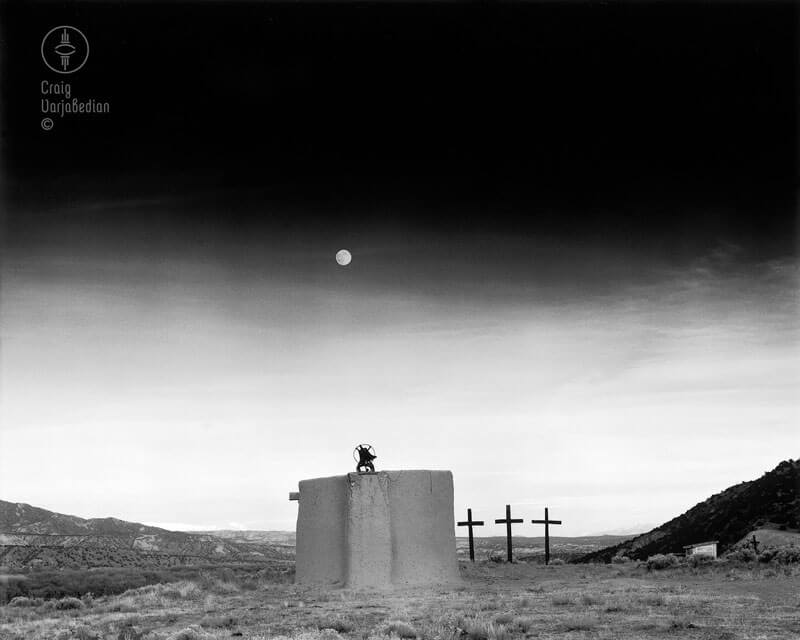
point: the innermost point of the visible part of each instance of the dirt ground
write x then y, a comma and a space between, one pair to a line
493, 602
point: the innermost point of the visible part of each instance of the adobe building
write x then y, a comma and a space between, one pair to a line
383, 529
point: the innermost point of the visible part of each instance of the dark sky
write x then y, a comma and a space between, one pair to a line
573, 228
620, 121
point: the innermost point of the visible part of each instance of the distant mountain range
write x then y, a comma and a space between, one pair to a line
531, 549
769, 502
31, 537
627, 532
34, 537
246, 536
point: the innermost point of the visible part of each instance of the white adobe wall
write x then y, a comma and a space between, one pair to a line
321, 546
377, 530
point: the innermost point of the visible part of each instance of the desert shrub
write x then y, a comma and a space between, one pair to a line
589, 600
580, 623
491, 605
190, 633
504, 618
249, 584
288, 604
496, 556
226, 574
401, 629
224, 587
526, 623
561, 600
557, 562
275, 574
440, 630
661, 561
88, 599
474, 629
220, 582
85, 633
223, 621
124, 605
654, 600
68, 603
478, 629
22, 601
681, 622
499, 632
316, 634
699, 559
620, 560
153, 595
741, 554
130, 632
338, 624
788, 554
767, 554
60, 583
181, 590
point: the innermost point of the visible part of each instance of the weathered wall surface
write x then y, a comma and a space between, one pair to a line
321, 524
423, 526
381, 529
369, 530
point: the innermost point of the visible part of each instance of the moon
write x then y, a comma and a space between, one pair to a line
343, 257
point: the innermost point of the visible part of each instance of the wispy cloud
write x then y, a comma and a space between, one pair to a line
581, 378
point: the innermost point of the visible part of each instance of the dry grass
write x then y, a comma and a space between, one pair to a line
400, 629
562, 600
495, 602
339, 624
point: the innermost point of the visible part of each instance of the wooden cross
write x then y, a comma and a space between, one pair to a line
754, 542
546, 522
471, 523
508, 521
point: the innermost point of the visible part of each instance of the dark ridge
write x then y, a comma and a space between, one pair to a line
773, 500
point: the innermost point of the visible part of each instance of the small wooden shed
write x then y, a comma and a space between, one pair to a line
707, 548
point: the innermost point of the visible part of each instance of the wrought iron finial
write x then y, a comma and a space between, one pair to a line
364, 454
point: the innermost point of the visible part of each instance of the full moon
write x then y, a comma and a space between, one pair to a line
343, 257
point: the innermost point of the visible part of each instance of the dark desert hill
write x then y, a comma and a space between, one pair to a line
32, 537
773, 500
769, 537
17, 517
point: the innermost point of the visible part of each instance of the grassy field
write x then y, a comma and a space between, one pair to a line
722, 601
